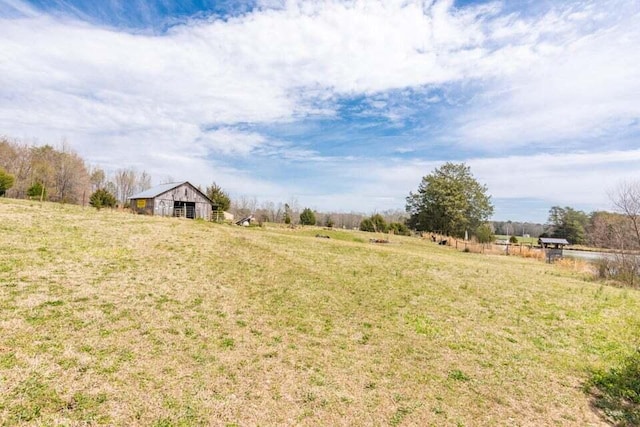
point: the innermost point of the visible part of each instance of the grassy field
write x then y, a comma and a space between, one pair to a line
116, 319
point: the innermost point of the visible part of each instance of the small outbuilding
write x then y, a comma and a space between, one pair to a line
552, 247
180, 199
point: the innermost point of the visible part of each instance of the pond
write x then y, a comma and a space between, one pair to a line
587, 255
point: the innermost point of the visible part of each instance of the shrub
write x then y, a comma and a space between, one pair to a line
6, 181
513, 239
367, 225
307, 217
621, 267
379, 224
329, 222
618, 391
37, 191
484, 234
101, 198
399, 229
375, 223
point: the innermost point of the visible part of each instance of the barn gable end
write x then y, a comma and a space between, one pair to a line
173, 199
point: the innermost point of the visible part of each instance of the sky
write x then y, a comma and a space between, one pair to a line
338, 105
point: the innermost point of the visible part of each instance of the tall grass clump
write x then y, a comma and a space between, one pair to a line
621, 267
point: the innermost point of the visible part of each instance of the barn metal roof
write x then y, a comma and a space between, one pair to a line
157, 190
553, 241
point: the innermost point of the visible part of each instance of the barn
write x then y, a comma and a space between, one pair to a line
179, 199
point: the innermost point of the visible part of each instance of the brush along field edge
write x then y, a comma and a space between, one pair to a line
116, 319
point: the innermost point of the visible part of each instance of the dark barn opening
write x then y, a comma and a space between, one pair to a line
184, 209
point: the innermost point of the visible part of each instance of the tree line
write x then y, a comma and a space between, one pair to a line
44, 172
59, 174
601, 229
290, 212
448, 201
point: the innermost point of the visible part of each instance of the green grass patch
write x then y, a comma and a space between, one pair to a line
108, 318
616, 391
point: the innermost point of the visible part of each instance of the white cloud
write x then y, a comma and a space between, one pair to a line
266, 65
260, 67
583, 86
573, 179
569, 74
16, 7
229, 141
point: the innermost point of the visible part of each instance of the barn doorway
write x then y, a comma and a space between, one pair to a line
184, 209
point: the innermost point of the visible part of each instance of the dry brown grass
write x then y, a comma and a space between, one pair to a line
524, 251
116, 319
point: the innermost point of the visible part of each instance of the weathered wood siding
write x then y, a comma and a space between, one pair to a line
142, 206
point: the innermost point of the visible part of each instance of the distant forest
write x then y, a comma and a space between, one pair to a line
59, 174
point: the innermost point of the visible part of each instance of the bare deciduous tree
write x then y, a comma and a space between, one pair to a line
71, 179
15, 158
144, 182
244, 206
626, 200
622, 233
97, 178
125, 181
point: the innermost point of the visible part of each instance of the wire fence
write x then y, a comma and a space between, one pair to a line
525, 250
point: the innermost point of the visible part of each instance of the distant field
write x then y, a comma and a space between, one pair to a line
109, 318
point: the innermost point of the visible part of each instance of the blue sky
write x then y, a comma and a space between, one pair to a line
341, 106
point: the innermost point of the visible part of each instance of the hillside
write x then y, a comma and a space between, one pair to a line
117, 319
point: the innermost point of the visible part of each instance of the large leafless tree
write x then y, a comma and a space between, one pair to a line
626, 200
621, 232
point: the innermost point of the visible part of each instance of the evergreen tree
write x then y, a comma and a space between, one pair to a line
568, 223
379, 224
484, 234
6, 181
218, 196
102, 198
449, 201
37, 191
287, 214
307, 217
399, 229
367, 225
